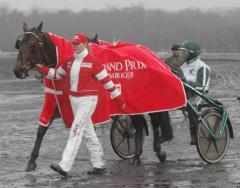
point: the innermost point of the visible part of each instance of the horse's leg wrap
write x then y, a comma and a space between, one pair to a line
161, 120
40, 134
138, 122
165, 126
161, 155
156, 132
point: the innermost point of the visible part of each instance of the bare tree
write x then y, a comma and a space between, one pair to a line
157, 29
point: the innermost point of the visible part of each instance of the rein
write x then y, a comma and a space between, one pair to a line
42, 50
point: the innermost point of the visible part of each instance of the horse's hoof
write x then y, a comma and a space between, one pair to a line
136, 161
161, 156
31, 166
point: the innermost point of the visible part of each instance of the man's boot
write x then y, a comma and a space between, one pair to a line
58, 169
97, 171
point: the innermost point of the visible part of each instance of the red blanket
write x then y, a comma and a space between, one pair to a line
146, 83
64, 51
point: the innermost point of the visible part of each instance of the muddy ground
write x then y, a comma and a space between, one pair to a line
20, 102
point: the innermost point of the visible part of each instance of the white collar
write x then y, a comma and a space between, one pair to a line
81, 55
193, 60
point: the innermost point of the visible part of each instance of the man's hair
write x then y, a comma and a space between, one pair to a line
175, 47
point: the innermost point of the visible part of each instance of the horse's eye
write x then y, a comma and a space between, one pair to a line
33, 48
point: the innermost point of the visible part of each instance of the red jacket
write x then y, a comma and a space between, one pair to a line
84, 75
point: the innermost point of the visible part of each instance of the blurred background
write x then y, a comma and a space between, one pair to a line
158, 24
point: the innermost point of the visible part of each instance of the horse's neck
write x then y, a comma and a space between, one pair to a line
50, 51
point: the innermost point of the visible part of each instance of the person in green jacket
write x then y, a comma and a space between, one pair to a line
197, 74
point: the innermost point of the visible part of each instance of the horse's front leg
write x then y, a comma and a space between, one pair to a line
161, 155
31, 165
138, 144
156, 120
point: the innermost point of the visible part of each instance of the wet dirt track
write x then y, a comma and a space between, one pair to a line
20, 102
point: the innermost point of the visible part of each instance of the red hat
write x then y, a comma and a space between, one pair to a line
79, 38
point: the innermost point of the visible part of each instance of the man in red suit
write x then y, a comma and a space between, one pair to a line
84, 73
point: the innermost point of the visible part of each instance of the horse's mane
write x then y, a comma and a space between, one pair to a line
50, 50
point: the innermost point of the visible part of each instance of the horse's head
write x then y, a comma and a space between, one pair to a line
31, 50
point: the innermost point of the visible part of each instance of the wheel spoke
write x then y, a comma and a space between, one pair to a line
122, 125
120, 142
120, 131
208, 147
216, 125
210, 136
216, 148
202, 131
209, 125
128, 145
126, 120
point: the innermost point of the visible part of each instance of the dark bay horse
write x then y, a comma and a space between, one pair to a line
35, 47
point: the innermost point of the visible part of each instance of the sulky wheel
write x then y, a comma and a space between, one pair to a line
123, 137
210, 149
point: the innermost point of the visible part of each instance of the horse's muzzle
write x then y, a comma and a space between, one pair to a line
21, 74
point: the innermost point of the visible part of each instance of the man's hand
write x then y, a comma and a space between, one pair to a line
123, 106
42, 68
39, 76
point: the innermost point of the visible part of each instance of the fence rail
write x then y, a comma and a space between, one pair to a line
209, 56
164, 55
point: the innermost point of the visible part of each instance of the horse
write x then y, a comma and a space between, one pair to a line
35, 47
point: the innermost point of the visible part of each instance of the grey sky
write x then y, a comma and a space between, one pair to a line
77, 5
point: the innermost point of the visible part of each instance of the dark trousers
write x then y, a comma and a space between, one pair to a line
193, 120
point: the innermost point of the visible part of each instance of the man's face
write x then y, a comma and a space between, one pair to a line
78, 48
175, 53
184, 55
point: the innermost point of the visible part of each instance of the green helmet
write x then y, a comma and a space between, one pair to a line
192, 48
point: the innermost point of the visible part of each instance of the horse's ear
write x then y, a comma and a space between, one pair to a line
39, 28
115, 41
94, 39
24, 27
